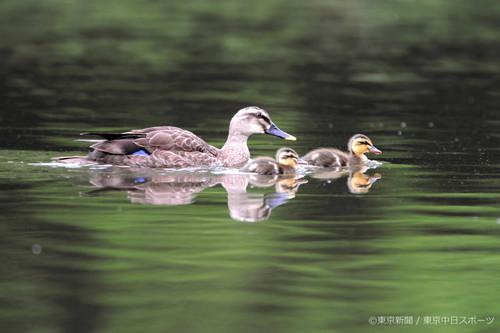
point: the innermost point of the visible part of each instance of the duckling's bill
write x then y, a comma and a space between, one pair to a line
374, 150
274, 130
375, 177
301, 161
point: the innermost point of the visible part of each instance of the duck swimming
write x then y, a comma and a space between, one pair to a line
174, 147
358, 145
285, 163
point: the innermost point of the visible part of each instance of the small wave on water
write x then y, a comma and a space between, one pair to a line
372, 164
76, 165
71, 165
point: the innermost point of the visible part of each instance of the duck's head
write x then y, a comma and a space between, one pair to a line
254, 120
360, 144
288, 157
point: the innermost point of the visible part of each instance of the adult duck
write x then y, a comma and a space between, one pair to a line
358, 145
174, 147
285, 163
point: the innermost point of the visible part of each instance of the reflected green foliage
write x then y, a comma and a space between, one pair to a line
419, 78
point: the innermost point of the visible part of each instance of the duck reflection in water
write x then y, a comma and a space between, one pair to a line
181, 188
358, 182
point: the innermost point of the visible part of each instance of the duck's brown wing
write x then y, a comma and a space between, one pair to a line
169, 147
159, 137
119, 146
172, 139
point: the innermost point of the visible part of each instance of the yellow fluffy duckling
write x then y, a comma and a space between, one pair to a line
286, 162
358, 145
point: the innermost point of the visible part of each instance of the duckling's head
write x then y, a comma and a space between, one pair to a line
288, 157
289, 185
360, 183
360, 144
254, 120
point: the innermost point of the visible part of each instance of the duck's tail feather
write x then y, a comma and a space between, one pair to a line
113, 136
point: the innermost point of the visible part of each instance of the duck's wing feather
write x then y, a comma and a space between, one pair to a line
172, 139
341, 154
152, 138
120, 146
133, 134
111, 136
169, 146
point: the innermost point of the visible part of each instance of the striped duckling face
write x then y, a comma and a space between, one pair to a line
360, 144
254, 120
359, 183
288, 157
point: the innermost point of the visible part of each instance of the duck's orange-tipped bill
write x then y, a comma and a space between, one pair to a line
274, 130
374, 150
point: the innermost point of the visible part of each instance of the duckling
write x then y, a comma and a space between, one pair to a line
285, 163
331, 157
173, 147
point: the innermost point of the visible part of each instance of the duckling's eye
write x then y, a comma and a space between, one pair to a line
258, 115
364, 143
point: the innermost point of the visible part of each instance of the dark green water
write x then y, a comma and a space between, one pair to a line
120, 250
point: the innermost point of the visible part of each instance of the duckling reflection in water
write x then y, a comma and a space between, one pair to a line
285, 163
358, 145
357, 181
257, 207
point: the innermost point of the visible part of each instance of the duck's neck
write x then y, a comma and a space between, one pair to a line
235, 151
355, 159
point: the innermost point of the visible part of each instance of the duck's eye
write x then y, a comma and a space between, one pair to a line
364, 143
258, 115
